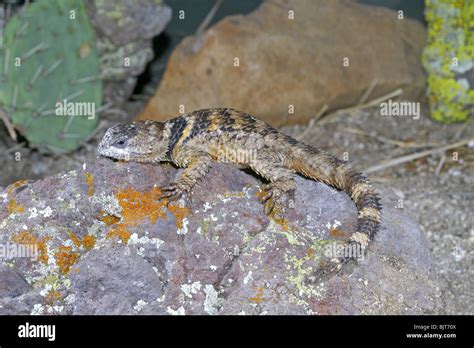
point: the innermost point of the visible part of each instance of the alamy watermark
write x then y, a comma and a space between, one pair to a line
237, 156
66, 108
344, 251
9, 251
393, 108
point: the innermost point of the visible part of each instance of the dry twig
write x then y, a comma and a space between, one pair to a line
369, 104
401, 144
403, 159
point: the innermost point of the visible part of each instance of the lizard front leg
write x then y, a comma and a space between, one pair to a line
196, 164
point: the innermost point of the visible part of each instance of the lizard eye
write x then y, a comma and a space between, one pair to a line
120, 144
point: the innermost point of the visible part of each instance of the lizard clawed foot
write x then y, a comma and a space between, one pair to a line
277, 201
176, 192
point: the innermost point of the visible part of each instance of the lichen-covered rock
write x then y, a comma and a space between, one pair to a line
125, 21
125, 31
287, 59
449, 59
108, 245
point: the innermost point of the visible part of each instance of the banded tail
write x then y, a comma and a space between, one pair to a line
321, 166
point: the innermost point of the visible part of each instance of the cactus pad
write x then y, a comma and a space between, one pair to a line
48, 56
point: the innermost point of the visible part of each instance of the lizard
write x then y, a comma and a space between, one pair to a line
194, 140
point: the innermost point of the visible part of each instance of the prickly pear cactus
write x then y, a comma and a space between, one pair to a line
49, 74
449, 59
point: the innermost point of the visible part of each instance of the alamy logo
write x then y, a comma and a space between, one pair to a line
66, 108
338, 251
393, 108
34, 331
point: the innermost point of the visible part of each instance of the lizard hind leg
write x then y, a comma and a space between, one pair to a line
280, 191
279, 196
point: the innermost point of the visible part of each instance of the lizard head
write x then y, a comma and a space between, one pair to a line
140, 141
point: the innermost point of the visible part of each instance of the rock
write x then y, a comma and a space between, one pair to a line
448, 58
125, 21
125, 30
12, 284
293, 63
108, 245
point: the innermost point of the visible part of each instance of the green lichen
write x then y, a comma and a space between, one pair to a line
448, 57
298, 272
115, 10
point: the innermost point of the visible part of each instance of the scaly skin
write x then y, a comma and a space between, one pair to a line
193, 141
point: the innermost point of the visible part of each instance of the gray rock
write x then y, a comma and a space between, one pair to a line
115, 248
125, 30
12, 284
124, 21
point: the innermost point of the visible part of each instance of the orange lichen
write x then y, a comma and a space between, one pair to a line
334, 232
65, 258
282, 222
90, 184
137, 206
24, 237
13, 207
88, 241
28, 238
310, 253
75, 239
179, 213
108, 219
120, 232
17, 184
258, 297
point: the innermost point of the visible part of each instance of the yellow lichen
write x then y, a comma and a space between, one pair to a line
447, 57
90, 184
258, 297
237, 194
52, 297
14, 207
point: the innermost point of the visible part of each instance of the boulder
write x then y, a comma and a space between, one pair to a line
107, 244
286, 60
